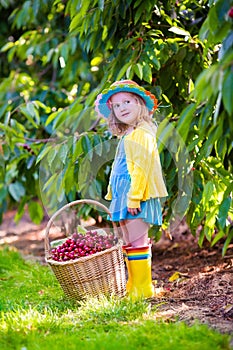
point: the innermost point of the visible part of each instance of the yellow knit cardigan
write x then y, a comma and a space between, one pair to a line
143, 165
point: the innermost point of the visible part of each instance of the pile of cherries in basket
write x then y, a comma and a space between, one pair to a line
80, 245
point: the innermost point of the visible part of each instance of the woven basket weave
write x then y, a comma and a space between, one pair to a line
93, 275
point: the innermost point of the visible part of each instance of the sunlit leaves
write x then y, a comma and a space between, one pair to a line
138, 70
179, 31
57, 56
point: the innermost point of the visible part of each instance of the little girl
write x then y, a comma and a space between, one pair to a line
136, 182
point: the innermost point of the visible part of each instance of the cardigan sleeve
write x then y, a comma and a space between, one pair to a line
138, 148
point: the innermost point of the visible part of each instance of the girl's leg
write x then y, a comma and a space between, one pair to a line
124, 232
137, 232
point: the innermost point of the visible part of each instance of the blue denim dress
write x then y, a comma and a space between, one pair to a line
151, 211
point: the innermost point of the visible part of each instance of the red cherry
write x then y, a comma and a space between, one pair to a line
75, 236
230, 12
82, 245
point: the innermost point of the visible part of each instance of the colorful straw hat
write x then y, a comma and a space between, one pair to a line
102, 105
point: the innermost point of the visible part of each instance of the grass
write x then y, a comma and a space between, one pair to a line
35, 315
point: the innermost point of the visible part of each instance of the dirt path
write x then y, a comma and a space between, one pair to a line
202, 287
198, 283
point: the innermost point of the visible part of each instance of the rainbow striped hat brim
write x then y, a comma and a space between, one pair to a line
102, 105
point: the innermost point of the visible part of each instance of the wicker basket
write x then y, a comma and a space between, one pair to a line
94, 275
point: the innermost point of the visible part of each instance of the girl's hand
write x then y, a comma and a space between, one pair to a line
134, 211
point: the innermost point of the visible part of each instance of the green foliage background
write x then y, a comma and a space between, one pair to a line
57, 55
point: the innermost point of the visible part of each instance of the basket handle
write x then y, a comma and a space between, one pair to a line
71, 204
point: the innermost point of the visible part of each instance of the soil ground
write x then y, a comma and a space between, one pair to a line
192, 283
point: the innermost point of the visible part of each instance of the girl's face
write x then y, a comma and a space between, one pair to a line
126, 107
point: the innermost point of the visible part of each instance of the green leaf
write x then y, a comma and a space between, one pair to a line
73, 44
51, 117
212, 136
104, 33
30, 161
155, 62
52, 154
221, 147
73, 7
201, 238
205, 30
6, 151
225, 53
60, 188
205, 120
62, 153
207, 193
76, 22
31, 107
35, 212
16, 190
3, 109
147, 73
203, 88
211, 218
28, 113
227, 91
164, 132
3, 193
98, 145
217, 238
222, 7
7, 46
64, 52
20, 209
138, 69
168, 19
43, 154
69, 178
19, 128
50, 181
185, 120
208, 232
223, 212
155, 232
78, 149
139, 12
136, 3
129, 72
213, 20
179, 31
101, 4
227, 242
123, 70
87, 146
